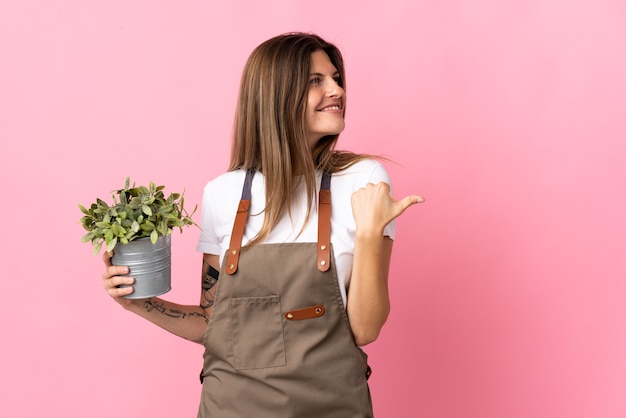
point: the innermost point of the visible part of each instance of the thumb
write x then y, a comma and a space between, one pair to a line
408, 201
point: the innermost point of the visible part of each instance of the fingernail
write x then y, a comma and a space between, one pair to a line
129, 280
420, 199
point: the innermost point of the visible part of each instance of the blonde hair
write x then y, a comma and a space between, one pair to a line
270, 132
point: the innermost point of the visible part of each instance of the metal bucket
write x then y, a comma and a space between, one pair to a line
150, 265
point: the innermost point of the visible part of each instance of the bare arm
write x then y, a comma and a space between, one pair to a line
368, 297
186, 321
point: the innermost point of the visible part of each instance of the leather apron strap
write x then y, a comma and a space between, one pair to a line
232, 261
323, 226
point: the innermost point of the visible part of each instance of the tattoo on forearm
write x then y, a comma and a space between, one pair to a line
209, 279
208, 282
151, 305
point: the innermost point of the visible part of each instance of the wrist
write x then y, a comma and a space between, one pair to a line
132, 305
369, 233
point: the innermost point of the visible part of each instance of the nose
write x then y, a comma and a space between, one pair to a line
334, 89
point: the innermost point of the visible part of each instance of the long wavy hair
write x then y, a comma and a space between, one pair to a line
270, 133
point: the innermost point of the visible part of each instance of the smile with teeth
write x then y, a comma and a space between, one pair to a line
330, 108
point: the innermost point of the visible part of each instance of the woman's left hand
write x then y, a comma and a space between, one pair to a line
373, 207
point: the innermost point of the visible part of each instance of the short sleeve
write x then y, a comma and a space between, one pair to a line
208, 242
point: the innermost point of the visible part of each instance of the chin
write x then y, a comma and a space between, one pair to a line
336, 130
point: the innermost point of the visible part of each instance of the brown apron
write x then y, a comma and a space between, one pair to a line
279, 343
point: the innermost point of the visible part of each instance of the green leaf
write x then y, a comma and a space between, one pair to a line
96, 248
135, 202
134, 192
112, 244
162, 228
86, 221
118, 230
83, 209
146, 209
130, 235
154, 236
165, 210
147, 226
135, 226
87, 237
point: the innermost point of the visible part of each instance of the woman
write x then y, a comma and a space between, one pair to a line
301, 274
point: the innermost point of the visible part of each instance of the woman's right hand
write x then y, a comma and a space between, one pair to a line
112, 278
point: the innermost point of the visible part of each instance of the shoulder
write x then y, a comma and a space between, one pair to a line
363, 172
226, 179
225, 184
222, 193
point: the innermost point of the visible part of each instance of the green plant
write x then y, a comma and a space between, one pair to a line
137, 212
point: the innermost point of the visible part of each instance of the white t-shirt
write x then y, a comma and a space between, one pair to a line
222, 195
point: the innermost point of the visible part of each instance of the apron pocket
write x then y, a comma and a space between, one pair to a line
257, 331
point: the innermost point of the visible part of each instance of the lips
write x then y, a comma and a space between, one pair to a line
333, 107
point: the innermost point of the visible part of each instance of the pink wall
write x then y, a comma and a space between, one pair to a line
508, 284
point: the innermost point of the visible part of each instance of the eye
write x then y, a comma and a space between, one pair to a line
338, 80
315, 81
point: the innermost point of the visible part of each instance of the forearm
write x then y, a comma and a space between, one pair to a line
368, 296
185, 321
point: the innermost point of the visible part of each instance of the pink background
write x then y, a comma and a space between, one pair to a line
509, 117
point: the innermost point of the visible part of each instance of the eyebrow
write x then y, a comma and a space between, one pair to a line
322, 75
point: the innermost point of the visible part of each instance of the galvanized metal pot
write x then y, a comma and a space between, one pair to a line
150, 265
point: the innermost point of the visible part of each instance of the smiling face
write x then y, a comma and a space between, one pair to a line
326, 99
